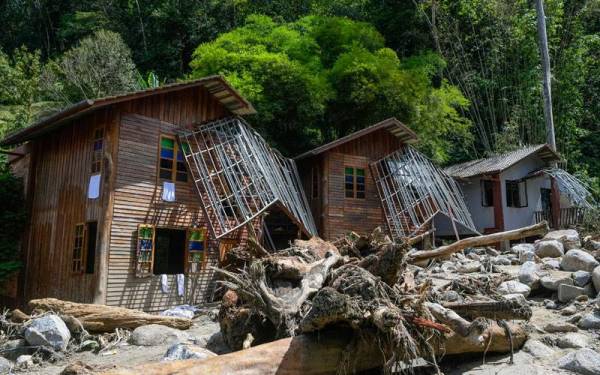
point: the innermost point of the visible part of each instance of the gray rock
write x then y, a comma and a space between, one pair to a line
576, 260
551, 263
572, 340
5, 366
596, 278
556, 278
12, 349
516, 297
469, 267
501, 260
581, 278
448, 267
569, 310
549, 249
216, 344
24, 361
568, 293
538, 349
559, 326
583, 361
186, 351
451, 296
549, 304
526, 256
590, 321
519, 248
156, 334
529, 274
512, 287
568, 237
49, 331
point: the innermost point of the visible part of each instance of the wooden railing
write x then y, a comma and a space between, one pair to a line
567, 217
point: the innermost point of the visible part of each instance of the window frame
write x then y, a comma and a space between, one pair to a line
483, 183
174, 171
520, 184
97, 155
81, 260
145, 268
355, 190
188, 251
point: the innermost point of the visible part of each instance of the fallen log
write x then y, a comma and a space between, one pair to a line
488, 239
102, 318
322, 353
505, 309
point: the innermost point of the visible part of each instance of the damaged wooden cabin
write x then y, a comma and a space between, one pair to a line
115, 216
374, 177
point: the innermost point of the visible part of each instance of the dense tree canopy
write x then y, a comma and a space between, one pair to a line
319, 78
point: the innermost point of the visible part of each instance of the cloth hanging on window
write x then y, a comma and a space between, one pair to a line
180, 284
164, 283
94, 187
168, 193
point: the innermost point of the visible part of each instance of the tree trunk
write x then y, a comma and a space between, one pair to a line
322, 353
101, 318
488, 239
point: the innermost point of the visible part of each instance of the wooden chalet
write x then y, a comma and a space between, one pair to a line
102, 228
338, 183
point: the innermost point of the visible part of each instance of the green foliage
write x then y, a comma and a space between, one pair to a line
100, 65
12, 221
320, 78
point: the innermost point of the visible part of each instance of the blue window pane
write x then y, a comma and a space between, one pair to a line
196, 245
98, 145
360, 180
349, 179
179, 156
146, 244
166, 153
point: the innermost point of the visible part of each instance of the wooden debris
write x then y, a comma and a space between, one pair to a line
478, 241
102, 318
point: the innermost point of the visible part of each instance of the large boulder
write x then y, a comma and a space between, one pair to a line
584, 361
524, 251
553, 279
568, 293
549, 249
581, 278
568, 237
49, 331
468, 267
596, 278
538, 349
5, 366
590, 321
514, 287
156, 334
529, 274
187, 351
578, 260
572, 340
559, 326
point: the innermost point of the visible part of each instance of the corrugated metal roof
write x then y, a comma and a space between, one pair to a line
394, 126
216, 85
500, 162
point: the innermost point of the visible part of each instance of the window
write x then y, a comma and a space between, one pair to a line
516, 193
98, 146
487, 193
315, 182
78, 248
196, 248
84, 248
171, 161
354, 182
170, 251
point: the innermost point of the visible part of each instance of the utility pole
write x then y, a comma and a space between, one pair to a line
550, 139
543, 40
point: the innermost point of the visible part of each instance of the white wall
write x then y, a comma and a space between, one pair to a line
519, 217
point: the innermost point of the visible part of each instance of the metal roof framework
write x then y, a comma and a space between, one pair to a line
577, 191
413, 191
238, 176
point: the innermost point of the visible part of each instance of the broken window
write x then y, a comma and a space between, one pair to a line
196, 250
315, 182
169, 251
98, 146
487, 193
171, 161
516, 193
78, 249
354, 182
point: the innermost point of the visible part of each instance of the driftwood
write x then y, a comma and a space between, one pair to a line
488, 239
323, 353
102, 318
504, 309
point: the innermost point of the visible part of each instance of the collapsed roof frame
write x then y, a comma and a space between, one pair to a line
575, 189
238, 176
413, 191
